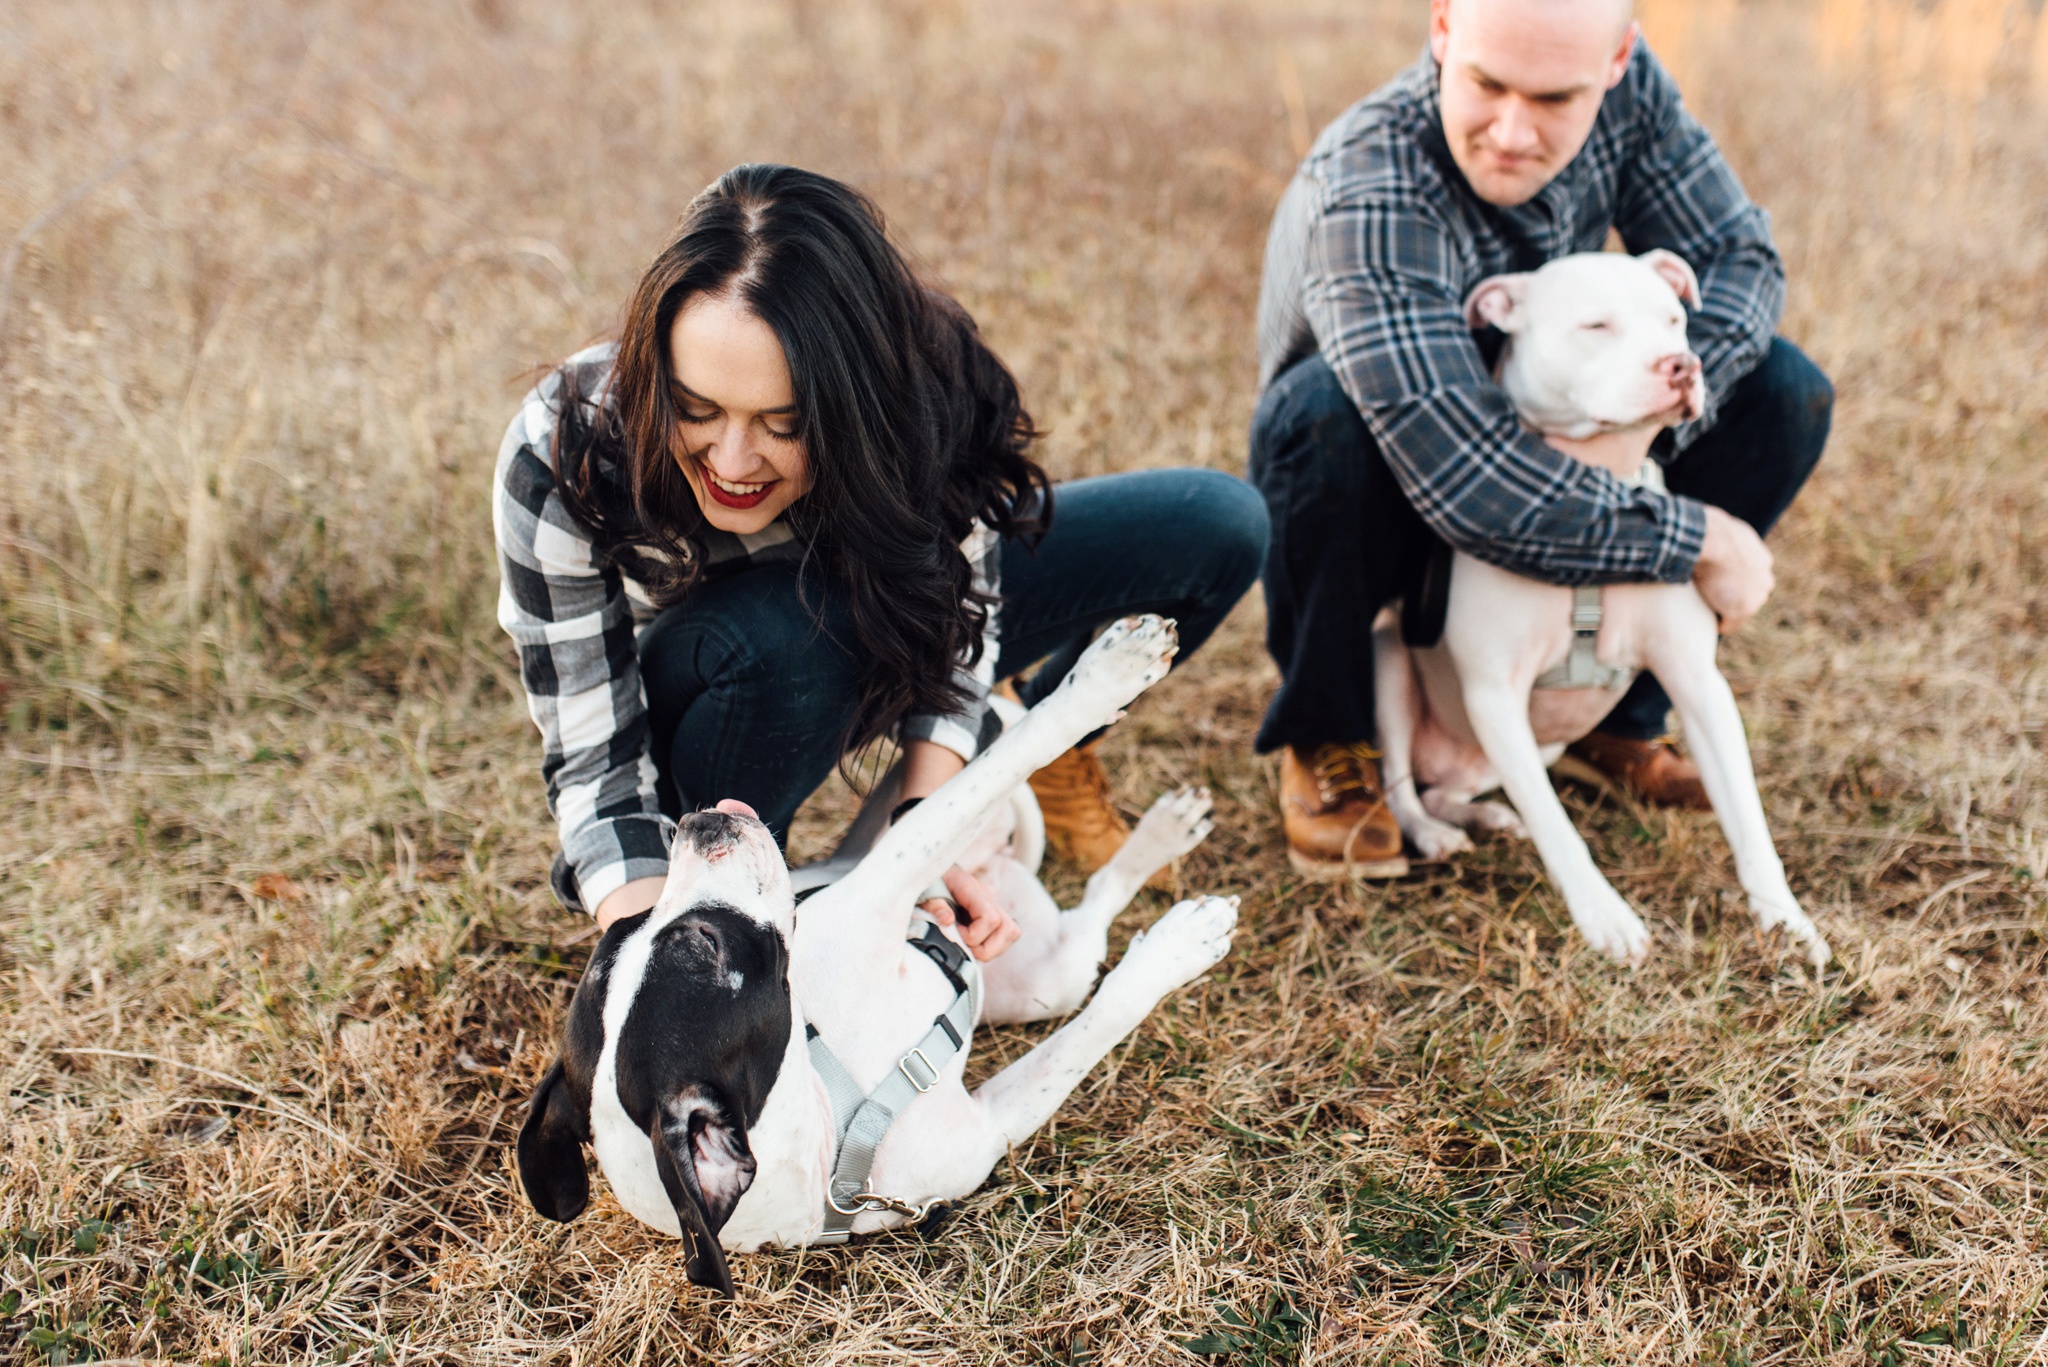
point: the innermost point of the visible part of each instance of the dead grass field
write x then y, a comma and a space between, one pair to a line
279, 962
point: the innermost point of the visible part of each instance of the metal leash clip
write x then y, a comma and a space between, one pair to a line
865, 1202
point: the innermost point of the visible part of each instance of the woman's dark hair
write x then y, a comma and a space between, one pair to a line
911, 426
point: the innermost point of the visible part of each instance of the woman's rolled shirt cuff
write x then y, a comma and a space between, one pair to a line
961, 735
613, 851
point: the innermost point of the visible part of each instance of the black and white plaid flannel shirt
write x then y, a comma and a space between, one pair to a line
577, 627
1378, 240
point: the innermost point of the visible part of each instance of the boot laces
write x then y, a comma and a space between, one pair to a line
1341, 770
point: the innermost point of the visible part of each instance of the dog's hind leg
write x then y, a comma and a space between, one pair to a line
1129, 657
1184, 943
1463, 810
1048, 976
1397, 709
1714, 734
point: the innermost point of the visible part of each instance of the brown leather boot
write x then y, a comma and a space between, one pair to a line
1335, 815
1649, 771
1081, 825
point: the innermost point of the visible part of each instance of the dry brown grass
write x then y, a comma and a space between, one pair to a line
279, 962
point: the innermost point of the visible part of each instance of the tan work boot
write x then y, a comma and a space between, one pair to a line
1081, 825
1335, 815
1649, 771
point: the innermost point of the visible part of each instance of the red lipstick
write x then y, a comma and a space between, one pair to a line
727, 499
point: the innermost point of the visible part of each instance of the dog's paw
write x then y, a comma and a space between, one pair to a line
1435, 839
1771, 913
1497, 818
1126, 659
1611, 926
1189, 940
1175, 824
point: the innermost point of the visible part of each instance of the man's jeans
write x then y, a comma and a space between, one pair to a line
1346, 542
750, 687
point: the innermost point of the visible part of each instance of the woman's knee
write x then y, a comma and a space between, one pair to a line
1228, 518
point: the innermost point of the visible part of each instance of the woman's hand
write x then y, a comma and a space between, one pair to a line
989, 930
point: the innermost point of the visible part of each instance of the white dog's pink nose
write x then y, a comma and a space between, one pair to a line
1678, 370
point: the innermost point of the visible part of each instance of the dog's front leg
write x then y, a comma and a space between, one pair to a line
1499, 713
1129, 657
1684, 664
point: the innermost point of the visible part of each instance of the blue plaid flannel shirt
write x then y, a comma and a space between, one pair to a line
1378, 240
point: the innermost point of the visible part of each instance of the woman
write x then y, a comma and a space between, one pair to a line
792, 511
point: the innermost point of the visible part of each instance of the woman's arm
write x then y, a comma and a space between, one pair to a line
926, 767
580, 667
629, 899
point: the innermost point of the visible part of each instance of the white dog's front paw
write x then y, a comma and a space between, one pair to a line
1189, 940
1126, 659
1611, 926
1175, 824
1773, 912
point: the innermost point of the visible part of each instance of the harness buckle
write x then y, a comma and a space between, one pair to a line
910, 1077
864, 1202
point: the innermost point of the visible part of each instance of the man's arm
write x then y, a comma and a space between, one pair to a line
1677, 192
1382, 297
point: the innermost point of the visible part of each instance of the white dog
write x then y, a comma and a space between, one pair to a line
1595, 343
750, 1073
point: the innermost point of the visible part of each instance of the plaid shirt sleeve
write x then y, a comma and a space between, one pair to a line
581, 666
965, 732
1382, 295
1679, 193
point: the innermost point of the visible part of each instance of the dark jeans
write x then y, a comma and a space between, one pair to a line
1346, 541
749, 693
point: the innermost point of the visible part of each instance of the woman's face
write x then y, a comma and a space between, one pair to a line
736, 441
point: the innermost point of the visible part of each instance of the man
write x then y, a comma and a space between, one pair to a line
1527, 131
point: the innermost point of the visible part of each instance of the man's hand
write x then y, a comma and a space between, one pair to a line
989, 931
1734, 570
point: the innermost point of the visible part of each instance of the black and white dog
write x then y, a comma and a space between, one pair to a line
725, 1054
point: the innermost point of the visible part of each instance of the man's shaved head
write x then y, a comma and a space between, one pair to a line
1522, 83
1615, 14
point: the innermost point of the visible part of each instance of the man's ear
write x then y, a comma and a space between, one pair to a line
1677, 273
1497, 300
700, 1149
1617, 67
551, 1151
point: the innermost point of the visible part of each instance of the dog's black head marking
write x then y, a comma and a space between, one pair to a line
696, 1058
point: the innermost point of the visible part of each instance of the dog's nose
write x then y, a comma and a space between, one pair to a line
711, 834
1679, 368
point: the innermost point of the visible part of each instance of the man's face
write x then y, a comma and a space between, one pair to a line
1522, 85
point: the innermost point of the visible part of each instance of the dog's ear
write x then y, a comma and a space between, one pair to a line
551, 1151
1677, 273
700, 1148
1497, 300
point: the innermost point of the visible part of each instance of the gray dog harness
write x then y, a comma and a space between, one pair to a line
1582, 667
860, 1119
